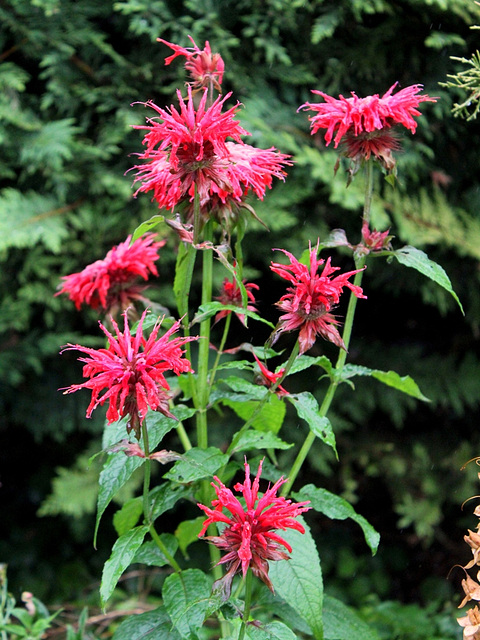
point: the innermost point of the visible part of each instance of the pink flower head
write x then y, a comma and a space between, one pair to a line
364, 124
231, 294
248, 537
132, 371
206, 69
110, 283
248, 169
311, 298
188, 150
375, 240
268, 378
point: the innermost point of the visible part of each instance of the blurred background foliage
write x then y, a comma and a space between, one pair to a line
71, 76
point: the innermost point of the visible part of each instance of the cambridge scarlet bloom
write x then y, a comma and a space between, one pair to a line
311, 298
249, 538
131, 370
231, 294
365, 124
111, 284
188, 150
206, 69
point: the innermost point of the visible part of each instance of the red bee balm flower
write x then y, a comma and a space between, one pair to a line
110, 283
309, 301
249, 538
132, 371
364, 124
205, 68
189, 149
231, 294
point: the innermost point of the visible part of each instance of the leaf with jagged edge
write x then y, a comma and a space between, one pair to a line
416, 259
299, 580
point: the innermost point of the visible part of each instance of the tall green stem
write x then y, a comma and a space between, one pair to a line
347, 334
183, 281
147, 468
248, 603
204, 346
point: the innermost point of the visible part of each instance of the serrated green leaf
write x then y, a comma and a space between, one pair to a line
413, 257
305, 362
341, 623
183, 273
119, 468
121, 557
210, 309
196, 464
165, 497
269, 418
150, 554
337, 508
127, 517
251, 439
147, 226
308, 409
15, 629
152, 625
299, 580
186, 598
271, 631
236, 364
243, 390
117, 471
405, 384
187, 532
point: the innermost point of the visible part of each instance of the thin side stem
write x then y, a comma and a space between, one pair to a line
203, 390
146, 506
226, 329
184, 439
347, 334
147, 470
158, 541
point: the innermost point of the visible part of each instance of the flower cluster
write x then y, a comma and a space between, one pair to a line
132, 371
206, 69
187, 153
111, 284
248, 537
231, 294
364, 125
311, 298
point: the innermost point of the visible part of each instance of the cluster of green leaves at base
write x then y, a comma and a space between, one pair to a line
187, 597
188, 600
